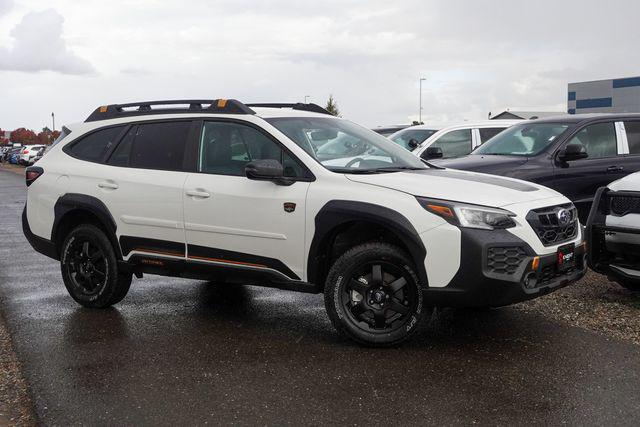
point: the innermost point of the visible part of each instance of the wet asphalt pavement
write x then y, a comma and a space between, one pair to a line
179, 351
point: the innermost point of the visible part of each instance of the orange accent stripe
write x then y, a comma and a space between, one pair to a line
158, 252
226, 261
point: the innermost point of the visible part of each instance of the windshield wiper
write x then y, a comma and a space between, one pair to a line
399, 168
386, 169
431, 165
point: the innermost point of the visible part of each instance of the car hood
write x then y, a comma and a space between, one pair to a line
482, 163
628, 183
460, 186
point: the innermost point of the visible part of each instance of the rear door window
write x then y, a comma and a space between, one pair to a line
94, 146
153, 146
488, 133
633, 136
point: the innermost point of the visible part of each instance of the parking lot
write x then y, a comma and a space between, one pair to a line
179, 351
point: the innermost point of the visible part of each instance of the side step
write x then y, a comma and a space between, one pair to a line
626, 271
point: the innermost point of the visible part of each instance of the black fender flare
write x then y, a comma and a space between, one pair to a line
339, 212
74, 201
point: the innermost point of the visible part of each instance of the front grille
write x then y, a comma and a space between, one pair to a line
555, 224
622, 205
505, 260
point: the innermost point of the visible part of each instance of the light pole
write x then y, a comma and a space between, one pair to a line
420, 113
53, 118
305, 98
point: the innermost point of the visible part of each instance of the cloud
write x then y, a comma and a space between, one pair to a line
39, 46
5, 6
134, 71
368, 54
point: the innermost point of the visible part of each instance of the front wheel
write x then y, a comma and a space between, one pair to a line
90, 268
373, 295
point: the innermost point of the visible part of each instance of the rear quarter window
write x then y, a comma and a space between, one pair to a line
94, 146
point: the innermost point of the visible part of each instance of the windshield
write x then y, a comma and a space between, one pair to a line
527, 139
346, 147
403, 137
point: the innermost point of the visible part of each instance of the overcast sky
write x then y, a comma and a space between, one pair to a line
477, 56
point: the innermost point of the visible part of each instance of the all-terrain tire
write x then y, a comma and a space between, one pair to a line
90, 269
352, 295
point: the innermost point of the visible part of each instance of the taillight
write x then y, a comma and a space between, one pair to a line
25, 152
33, 173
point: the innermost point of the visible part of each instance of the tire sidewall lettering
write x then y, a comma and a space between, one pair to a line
337, 288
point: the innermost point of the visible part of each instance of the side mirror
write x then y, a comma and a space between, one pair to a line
267, 170
413, 144
433, 153
573, 152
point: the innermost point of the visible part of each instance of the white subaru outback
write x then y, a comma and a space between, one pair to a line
219, 190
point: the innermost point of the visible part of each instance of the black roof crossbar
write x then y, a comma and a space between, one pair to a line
314, 108
219, 106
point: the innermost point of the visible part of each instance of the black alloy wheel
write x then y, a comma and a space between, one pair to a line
90, 268
377, 297
373, 295
87, 266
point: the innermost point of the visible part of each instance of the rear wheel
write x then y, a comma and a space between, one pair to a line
373, 296
90, 268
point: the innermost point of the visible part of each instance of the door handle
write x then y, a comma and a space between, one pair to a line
108, 185
198, 194
615, 169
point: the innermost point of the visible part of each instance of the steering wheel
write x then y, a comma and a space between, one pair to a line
353, 161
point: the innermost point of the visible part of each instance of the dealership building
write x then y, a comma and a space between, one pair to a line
605, 96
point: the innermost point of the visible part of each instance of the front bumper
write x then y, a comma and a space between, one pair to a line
614, 259
496, 269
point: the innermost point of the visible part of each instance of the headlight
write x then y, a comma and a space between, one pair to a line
470, 216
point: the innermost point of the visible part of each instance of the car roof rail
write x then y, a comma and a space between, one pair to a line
314, 108
218, 106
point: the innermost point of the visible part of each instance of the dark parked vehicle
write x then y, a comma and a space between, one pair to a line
573, 154
3, 152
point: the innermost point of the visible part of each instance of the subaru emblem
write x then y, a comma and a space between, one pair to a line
564, 216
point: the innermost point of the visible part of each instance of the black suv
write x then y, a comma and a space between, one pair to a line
573, 154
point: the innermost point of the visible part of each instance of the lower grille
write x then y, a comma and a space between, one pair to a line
505, 260
555, 224
549, 273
